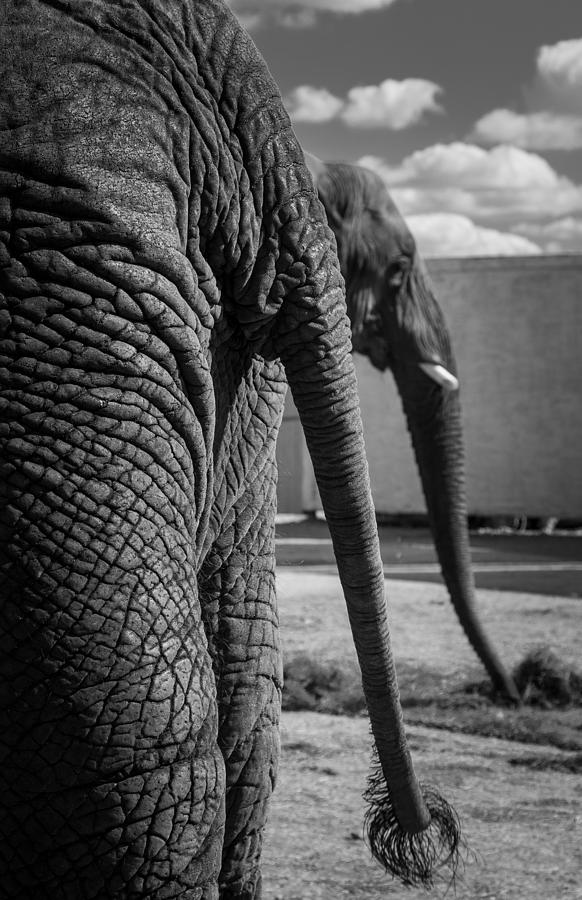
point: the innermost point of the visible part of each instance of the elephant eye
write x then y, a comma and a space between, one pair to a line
397, 273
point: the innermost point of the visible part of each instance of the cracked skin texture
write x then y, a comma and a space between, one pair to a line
162, 255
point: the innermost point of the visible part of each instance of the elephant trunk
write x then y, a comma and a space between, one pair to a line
434, 421
411, 831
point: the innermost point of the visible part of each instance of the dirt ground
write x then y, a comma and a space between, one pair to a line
520, 803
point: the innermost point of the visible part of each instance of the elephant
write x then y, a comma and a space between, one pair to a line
165, 268
398, 324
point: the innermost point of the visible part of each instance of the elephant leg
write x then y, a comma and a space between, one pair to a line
240, 611
111, 778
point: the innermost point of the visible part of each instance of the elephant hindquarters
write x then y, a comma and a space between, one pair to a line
111, 778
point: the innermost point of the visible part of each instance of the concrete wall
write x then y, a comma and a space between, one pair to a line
517, 332
290, 453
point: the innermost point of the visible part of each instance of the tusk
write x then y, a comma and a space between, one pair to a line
441, 375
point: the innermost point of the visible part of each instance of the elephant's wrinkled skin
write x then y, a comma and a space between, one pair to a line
163, 256
397, 322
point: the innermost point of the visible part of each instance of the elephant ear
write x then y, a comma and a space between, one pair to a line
339, 191
392, 309
369, 230
359, 229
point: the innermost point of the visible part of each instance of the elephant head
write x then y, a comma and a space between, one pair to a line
397, 322
162, 253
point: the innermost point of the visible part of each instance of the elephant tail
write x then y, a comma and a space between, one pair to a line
416, 858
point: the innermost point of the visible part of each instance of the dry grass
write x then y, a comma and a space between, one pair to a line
519, 802
551, 713
322, 687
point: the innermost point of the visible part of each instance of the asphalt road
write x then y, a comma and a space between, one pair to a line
532, 563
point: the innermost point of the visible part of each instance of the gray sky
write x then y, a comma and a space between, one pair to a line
470, 109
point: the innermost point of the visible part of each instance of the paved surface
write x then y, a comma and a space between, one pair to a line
534, 563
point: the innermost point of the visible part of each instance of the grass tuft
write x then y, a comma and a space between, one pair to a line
545, 681
322, 687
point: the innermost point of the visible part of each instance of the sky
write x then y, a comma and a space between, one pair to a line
471, 110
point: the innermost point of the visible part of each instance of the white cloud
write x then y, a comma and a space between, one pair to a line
535, 131
450, 234
501, 185
460, 199
560, 70
560, 236
309, 104
553, 120
249, 20
466, 165
391, 104
298, 18
299, 13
